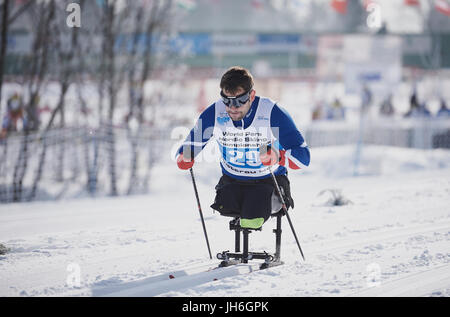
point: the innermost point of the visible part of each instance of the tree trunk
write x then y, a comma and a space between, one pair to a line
134, 179
20, 169
3, 172
110, 37
44, 143
37, 74
4, 42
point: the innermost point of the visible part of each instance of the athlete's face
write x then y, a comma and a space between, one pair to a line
238, 113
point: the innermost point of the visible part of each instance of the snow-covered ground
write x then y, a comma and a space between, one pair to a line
392, 239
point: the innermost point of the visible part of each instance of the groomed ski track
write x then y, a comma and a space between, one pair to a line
121, 250
177, 280
412, 285
415, 284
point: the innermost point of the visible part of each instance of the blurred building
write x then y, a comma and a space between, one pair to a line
274, 37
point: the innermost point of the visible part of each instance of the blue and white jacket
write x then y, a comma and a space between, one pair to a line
239, 141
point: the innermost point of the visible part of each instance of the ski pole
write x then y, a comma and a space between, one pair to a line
286, 212
200, 211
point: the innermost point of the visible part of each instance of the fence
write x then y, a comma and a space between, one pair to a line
421, 133
75, 162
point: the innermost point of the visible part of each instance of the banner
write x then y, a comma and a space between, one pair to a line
372, 61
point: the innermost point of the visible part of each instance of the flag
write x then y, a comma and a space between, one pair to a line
442, 6
411, 2
339, 5
257, 4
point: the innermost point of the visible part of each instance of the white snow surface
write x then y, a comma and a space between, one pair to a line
392, 239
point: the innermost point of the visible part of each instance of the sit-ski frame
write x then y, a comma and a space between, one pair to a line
270, 260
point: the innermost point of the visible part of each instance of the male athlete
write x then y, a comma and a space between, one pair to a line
255, 136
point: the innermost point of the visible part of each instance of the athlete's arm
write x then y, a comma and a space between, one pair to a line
290, 138
199, 135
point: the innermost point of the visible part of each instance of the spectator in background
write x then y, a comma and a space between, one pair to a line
416, 109
413, 106
32, 113
386, 108
423, 110
366, 99
443, 110
336, 111
318, 111
14, 117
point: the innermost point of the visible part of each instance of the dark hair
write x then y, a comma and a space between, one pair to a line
236, 77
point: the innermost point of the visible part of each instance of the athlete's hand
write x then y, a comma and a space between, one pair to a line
184, 163
269, 156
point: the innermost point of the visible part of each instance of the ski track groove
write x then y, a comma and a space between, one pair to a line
336, 245
374, 237
415, 284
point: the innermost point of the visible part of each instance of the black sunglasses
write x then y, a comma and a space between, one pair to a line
237, 101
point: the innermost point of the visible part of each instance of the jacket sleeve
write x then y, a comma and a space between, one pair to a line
296, 151
199, 135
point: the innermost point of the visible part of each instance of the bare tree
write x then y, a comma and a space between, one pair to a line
141, 64
64, 57
6, 21
85, 52
4, 41
43, 13
116, 48
112, 75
